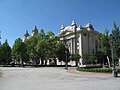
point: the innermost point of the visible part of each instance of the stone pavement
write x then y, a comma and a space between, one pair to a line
55, 78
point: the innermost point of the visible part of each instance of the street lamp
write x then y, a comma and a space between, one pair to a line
114, 72
119, 56
66, 66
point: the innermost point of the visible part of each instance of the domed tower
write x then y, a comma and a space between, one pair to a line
34, 31
26, 36
62, 28
89, 27
73, 24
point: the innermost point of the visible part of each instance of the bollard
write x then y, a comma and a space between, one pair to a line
115, 73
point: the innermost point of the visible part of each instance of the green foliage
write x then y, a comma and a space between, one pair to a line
50, 34
92, 58
19, 50
75, 57
105, 50
5, 53
104, 42
41, 34
99, 70
61, 52
116, 41
43, 46
100, 57
31, 44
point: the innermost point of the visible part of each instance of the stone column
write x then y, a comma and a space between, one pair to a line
119, 61
81, 61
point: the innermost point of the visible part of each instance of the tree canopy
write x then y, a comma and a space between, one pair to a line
19, 51
46, 46
116, 41
5, 53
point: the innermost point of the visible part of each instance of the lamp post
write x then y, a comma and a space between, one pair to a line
66, 66
114, 73
119, 56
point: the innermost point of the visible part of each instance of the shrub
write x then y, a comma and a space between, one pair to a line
104, 70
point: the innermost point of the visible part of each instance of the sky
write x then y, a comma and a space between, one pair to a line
17, 16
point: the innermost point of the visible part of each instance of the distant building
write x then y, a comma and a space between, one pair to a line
34, 32
86, 41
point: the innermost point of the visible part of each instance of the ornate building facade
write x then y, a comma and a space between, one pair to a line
80, 40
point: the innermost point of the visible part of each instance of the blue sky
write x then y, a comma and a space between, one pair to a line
17, 16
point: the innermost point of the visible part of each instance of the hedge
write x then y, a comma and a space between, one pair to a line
101, 70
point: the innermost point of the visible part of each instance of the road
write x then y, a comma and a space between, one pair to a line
54, 78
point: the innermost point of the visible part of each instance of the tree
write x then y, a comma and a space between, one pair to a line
116, 41
92, 58
61, 52
46, 46
51, 42
75, 57
42, 46
5, 53
19, 51
105, 46
40, 49
50, 34
41, 35
100, 58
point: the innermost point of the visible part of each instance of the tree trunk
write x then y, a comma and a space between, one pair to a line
45, 62
42, 61
55, 62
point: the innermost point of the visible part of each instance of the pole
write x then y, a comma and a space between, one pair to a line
66, 67
75, 41
0, 37
113, 67
113, 61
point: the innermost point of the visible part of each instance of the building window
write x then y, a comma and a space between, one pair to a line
92, 40
96, 42
85, 34
93, 51
77, 40
77, 50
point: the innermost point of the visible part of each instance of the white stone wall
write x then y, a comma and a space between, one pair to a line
92, 44
85, 44
80, 45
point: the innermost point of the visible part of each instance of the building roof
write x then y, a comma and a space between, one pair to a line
70, 29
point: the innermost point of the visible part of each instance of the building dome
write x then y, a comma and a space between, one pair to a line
89, 26
73, 23
62, 27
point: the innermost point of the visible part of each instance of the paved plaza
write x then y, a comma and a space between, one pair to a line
54, 78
